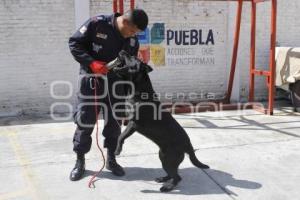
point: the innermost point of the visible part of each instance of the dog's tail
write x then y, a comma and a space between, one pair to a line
194, 159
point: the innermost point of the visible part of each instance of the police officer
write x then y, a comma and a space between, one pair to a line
97, 42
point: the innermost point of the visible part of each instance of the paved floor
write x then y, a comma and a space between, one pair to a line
251, 155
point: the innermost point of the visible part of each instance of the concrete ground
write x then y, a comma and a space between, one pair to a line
251, 155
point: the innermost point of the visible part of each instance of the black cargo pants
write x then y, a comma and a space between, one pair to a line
85, 113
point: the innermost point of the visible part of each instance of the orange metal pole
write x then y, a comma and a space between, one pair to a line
235, 50
121, 6
271, 84
132, 4
252, 52
115, 6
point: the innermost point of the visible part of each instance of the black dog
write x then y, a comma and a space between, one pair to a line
160, 127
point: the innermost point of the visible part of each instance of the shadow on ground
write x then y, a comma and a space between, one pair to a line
195, 181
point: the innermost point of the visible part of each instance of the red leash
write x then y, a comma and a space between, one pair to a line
91, 182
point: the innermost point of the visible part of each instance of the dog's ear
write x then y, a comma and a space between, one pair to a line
147, 68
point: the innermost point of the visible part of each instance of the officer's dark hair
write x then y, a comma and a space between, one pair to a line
138, 17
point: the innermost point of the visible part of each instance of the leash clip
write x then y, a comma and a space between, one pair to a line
92, 86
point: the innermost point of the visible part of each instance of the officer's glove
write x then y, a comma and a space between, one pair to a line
99, 67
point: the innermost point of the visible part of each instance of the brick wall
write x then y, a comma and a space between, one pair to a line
184, 16
220, 17
287, 35
34, 50
34, 53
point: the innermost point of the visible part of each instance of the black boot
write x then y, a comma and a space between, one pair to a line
79, 168
112, 164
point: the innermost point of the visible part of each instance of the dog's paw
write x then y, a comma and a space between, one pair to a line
167, 187
118, 150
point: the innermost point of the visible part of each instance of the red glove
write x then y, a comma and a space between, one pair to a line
99, 67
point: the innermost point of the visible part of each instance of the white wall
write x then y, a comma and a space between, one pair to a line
34, 53
186, 15
288, 30
34, 50
220, 17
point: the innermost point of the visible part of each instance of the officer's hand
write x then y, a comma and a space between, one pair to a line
99, 67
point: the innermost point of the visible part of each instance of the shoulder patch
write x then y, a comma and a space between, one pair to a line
83, 29
98, 18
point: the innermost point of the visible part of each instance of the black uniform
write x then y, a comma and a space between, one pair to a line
97, 39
